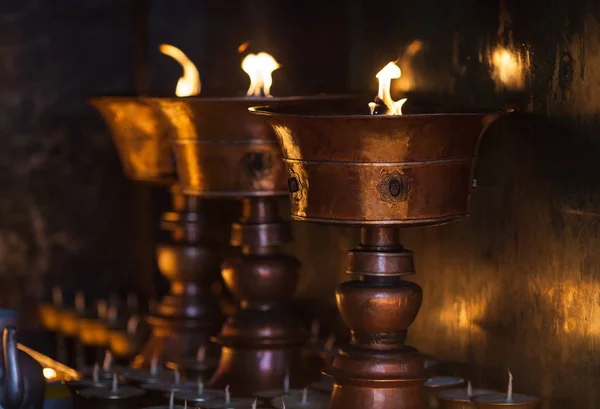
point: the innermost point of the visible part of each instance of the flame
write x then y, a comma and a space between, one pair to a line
507, 68
189, 83
385, 76
49, 373
259, 68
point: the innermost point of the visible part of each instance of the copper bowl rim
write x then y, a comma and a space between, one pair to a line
270, 111
260, 100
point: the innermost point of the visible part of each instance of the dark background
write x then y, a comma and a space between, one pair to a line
515, 285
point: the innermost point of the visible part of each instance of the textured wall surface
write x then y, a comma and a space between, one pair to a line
61, 189
516, 284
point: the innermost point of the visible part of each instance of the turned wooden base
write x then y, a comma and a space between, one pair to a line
189, 315
377, 370
261, 341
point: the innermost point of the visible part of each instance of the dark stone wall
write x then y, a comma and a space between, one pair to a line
514, 285
62, 192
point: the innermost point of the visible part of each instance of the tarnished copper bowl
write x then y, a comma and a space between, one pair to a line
140, 137
363, 169
222, 150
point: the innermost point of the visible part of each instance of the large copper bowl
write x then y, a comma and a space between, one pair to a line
140, 137
224, 151
364, 169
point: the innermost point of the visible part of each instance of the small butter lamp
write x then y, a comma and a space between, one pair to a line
301, 401
229, 403
106, 370
115, 397
86, 383
156, 391
437, 384
170, 405
506, 400
143, 376
199, 367
267, 395
199, 395
461, 398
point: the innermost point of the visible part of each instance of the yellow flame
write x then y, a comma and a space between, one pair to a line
259, 68
49, 373
385, 76
507, 68
189, 83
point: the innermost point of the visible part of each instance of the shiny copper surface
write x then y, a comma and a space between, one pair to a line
382, 172
359, 169
261, 341
140, 138
222, 150
377, 369
189, 314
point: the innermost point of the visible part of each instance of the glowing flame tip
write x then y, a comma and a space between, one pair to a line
189, 83
259, 68
385, 76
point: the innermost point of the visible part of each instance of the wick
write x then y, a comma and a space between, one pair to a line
330, 342
227, 396
372, 106
102, 308
469, 389
509, 394
282, 403
185, 404
172, 399
201, 354
80, 302
200, 387
286, 381
112, 314
254, 403
132, 325
304, 396
154, 366
96, 373
57, 297
107, 363
115, 383
176, 377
